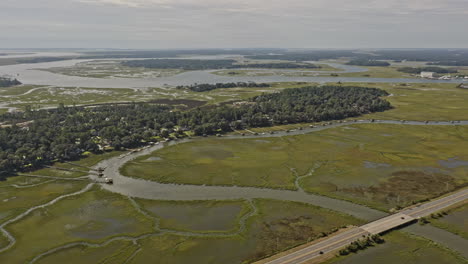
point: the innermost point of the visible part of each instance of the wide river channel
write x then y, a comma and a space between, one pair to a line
31, 74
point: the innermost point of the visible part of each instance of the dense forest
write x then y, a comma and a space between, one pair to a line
32, 139
431, 55
42, 59
185, 64
418, 70
366, 62
173, 53
205, 87
306, 55
277, 66
7, 82
459, 62
189, 64
449, 57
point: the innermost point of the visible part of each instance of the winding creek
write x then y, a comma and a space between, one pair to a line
132, 187
140, 188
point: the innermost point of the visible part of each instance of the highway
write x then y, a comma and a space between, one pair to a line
342, 240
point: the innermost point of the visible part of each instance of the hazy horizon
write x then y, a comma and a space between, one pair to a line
203, 24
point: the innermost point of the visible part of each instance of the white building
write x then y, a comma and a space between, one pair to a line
429, 75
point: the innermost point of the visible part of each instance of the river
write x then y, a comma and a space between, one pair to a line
30, 74
158, 191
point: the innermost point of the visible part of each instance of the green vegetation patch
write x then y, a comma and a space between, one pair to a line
93, 216
115, 252
17, 90
423, 102
454, 220
7, 82
111, 69
384, 166
260, 163
3, 241
14, 201
197, 216
375, 164
74, 171
53, 96
368, 62
276, 226
402, 248
376, 72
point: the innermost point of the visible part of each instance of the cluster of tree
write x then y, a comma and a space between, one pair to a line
368, 62
191, 64
284, 65
418, 70
148, 54
459, 62
449, 57
204, 87
305, 56
7, 82
65, 133
185, 64
362, 244
173, 53
42, 59
433, 55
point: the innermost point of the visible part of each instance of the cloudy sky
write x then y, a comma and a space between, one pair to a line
233, 23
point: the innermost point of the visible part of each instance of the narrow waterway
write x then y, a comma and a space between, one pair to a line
158, 191
132, 187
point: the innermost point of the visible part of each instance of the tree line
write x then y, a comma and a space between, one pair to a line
448, 57
193, 64
41, 137
367, 62
284, 65
458, 62
7, 82
205, 87
418, 70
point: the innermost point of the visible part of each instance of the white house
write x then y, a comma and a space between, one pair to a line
429, 75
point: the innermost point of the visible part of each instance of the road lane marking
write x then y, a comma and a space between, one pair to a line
377, 224
323, 247
436, 203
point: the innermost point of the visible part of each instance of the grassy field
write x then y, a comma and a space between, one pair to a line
115, 252
53, 96
402, 248
455, 222
3, 241
411, 101
14, 201
378, 72
197, 216
418, 102
278, 72
17, 90
93, 216
277, 226
424, 102
379, 165
97, 215
218, 162
111, 69
89, 161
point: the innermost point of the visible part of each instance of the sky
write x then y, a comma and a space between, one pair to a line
174, 24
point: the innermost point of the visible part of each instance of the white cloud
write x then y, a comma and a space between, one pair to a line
234, 23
